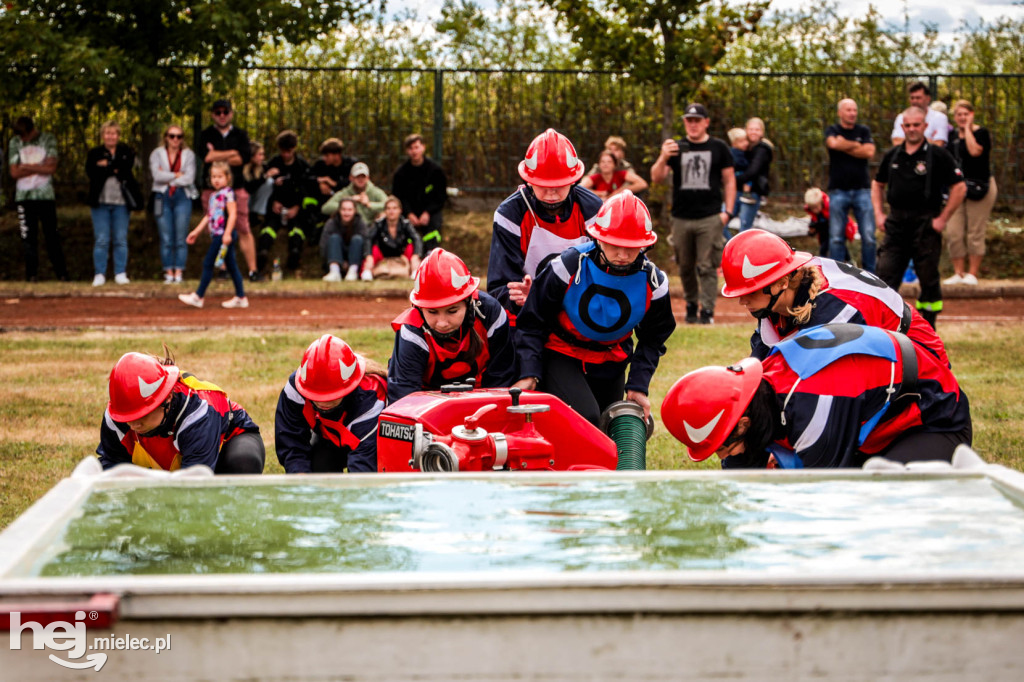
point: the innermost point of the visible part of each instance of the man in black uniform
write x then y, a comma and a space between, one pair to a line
422, 187
916, 173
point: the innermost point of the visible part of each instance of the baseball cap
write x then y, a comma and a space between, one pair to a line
221, 104
695, 111
360, 169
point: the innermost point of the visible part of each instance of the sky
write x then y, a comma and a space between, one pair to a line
945, 15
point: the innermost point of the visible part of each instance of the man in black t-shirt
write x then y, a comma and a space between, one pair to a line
422, 186
330, 172
916, 173
850, 147
224, 142
702, 178
290, 173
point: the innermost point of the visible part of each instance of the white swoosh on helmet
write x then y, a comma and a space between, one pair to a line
346, 370
302, 372
459, 281
531, 161
604, 221
149, 389
698, 435
571, 159
648, 225
750, 270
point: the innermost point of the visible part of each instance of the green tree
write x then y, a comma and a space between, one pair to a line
670, 43
514, 35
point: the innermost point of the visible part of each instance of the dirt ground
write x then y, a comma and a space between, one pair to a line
29, 313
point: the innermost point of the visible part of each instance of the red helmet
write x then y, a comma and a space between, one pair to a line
138, 385
442, 280
704, 406
755, 259
624, 221
330, 370
551, 161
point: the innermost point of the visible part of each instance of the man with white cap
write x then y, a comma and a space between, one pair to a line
703, 182
368, 197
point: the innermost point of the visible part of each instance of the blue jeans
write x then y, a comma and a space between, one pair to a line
110, 223
336, 247
748, 211
174, 224
840, 203
229, 262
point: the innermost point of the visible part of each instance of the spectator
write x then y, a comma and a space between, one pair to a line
343, 241
32, 159
816, 203
944, 110
224, 142
916, 213
850, 147
971, 145
220, 218
703, 181
540, 219
289, 172
452, 333
109, 167
609, 181
617, 146
368, 197
936, 123
574, 336
257, 185
173, 167
421, 186
327, 412
394, 248
755, 182
738, 143
331, 171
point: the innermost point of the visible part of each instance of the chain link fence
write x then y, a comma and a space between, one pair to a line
478, 123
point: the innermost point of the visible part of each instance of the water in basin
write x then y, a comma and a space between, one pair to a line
814, 527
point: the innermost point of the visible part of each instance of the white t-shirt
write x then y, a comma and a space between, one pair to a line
936, 127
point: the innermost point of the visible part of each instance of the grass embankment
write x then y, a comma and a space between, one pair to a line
54, 389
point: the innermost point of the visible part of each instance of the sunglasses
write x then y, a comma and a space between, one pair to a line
221, 112
174, 136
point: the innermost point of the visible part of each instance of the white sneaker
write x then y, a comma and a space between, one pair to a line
367, 276
168, 278
332, 277
236, 302
970, 279
177, 279
353, 274
191, 299
99, 280
121, 278
955, 279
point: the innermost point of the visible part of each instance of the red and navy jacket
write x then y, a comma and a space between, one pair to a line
420, 363
353, 433
840, 414
525, 236
849, 295
202, 420
578, 309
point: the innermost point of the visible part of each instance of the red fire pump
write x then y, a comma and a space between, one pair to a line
462, 429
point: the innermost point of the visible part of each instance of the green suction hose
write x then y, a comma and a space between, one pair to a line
624, 423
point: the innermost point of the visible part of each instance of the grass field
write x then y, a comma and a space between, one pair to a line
54, 389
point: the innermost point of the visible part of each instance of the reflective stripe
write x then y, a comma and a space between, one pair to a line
662, 289
816, 426
113, 425
845, 315
435, 234
268, 231
933, 306
507, 224
558, 267
200, 413
293, 394
297, 231
502, 319
309, 201
407, 335
372, 413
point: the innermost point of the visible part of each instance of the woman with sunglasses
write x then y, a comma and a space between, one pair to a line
173, 167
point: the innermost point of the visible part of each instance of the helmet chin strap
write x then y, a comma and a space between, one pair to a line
467, 322
629, 269
764, 312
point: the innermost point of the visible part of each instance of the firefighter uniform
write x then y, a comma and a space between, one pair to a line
915, 186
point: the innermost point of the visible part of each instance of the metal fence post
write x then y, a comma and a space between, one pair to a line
933, 85
197, 106
438, 113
